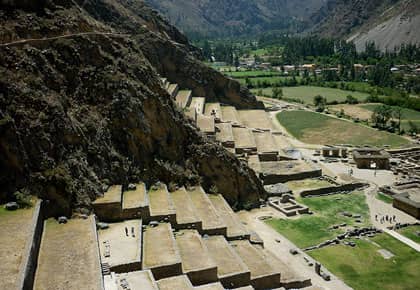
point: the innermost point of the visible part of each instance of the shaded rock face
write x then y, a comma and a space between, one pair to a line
82, 112
171, 54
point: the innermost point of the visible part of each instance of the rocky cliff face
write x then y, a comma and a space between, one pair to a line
388, 23
80, 111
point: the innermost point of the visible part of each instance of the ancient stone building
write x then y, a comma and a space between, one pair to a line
371, 158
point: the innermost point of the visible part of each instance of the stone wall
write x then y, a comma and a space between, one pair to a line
30, 255
276, 178
407, 207
333, 189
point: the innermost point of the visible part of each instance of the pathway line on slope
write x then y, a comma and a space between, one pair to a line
25, 41
403, 239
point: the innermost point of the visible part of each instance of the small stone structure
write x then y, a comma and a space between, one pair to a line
408, 202
371, 158
287, 205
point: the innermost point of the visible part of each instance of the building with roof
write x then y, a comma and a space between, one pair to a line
371, 158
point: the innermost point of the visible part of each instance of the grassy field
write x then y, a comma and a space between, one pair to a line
314, 128
311, 230
410, 232
385, 198
307, 94
364, 268
252, 74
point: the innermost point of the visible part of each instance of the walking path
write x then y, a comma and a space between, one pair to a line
403, 239
26, 41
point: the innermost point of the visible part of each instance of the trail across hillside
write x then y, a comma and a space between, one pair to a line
30, 40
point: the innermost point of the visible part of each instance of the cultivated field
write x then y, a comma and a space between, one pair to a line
315, 128
311, 230
307, 93
364, 268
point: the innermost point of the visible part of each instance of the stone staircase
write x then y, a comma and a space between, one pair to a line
185, 239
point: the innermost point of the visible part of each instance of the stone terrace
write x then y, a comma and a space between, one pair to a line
231, 271
263, 276
17, 232
197, 263
244, 140
211, 221
120, 246
160, 252
257, 119
177, 282
69, 256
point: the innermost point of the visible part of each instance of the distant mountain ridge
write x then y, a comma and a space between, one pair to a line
387, 22
223, 18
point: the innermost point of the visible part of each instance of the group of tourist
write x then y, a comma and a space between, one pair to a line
386, 218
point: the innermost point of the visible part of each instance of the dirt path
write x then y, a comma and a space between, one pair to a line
281, 249
30, 40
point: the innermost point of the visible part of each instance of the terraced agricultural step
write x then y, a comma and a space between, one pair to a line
255, 119
235, 229
108, 207
186, 217
212, 224
263, 275
231, 270
206, 124
139, 280
197, 263
175, 283
173, 90
120, 246
135, 203
197, 104
212, 286
160, 252
289, 278
230, 114
68, 256
244, 140
224, 134
213, 110
161, 205
266, 146
183, 98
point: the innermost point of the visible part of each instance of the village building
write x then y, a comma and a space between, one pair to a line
371, 158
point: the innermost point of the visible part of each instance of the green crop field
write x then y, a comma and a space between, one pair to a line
311, 230
252, 74
315, 128
307, 94
364, 268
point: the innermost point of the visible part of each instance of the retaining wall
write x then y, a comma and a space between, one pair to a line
332, 189
30, 256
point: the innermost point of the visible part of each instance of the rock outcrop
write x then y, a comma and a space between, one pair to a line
83, 108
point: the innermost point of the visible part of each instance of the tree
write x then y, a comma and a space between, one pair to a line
398, 115
320, 102
277, 93
381, 116
351, 100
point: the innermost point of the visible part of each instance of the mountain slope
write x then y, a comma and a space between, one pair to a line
235, 17
82, 107
388, 23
